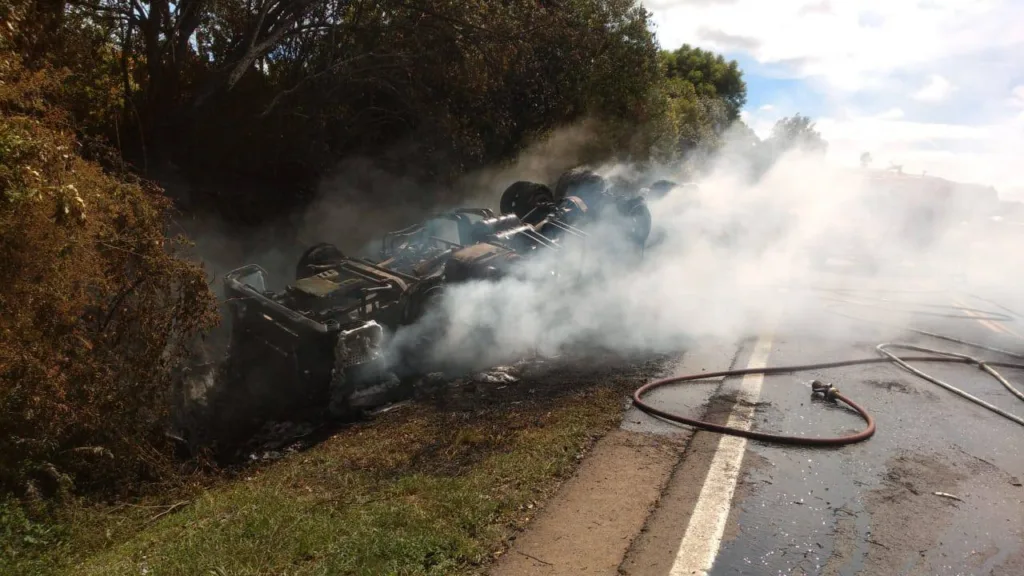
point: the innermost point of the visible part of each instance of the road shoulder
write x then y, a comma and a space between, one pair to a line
589, 524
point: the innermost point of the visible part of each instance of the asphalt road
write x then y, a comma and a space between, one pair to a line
937, 490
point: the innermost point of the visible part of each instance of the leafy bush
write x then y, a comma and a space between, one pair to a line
97, 305
22, 539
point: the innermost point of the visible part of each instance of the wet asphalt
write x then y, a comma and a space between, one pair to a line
872, 507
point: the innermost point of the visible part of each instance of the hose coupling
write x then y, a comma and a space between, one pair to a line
827, 391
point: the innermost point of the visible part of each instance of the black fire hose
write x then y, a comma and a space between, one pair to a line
831, 393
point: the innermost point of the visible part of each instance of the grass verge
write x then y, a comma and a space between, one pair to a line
421, 490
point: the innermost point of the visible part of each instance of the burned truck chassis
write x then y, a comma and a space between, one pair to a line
318, 344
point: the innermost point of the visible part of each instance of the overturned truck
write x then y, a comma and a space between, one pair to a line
317, 345
579, 197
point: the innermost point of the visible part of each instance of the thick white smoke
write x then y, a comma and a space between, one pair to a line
719, 257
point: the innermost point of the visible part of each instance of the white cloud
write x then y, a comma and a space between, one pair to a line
936, 90
918, 82
892, 114
851, 44
1017, 96
766, 107
1017, 101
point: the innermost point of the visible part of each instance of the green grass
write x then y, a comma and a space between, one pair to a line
416, 492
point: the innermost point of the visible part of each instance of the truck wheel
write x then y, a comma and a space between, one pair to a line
639, 221
426, 296
661, 188
321, 254
522, 197
582, 182
570, 179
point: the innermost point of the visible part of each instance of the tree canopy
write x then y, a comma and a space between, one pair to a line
796, 132
268, 94
710, 75
701, 97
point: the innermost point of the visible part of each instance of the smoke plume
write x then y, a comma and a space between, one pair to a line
721, 255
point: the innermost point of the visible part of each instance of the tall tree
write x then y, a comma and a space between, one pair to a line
700, 96
796, 132
710, 74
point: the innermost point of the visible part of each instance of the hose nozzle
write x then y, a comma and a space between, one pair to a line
827, 391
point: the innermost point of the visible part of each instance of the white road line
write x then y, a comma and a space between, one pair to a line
704, 532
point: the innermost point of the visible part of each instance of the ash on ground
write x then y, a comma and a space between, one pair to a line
277, 439
221, 416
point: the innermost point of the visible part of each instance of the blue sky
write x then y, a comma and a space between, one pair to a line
934, 85
765, 88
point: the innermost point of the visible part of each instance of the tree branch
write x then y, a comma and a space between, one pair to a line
276, 20
332, 68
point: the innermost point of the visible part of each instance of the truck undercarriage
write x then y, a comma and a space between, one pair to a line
323, 336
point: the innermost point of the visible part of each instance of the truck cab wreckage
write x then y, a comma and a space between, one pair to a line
324, 334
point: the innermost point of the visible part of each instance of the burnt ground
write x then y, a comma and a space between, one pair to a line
227, 419
481, 411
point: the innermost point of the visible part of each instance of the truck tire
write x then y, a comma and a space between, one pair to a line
320, 254
636, 219
582, 182
424, 296
661, 189
640, 222
522, 197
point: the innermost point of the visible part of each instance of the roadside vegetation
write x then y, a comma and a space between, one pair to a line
111, 110
433, 488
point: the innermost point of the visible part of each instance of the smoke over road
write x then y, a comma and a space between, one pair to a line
718, 258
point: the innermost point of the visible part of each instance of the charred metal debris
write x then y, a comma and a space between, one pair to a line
323, 336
